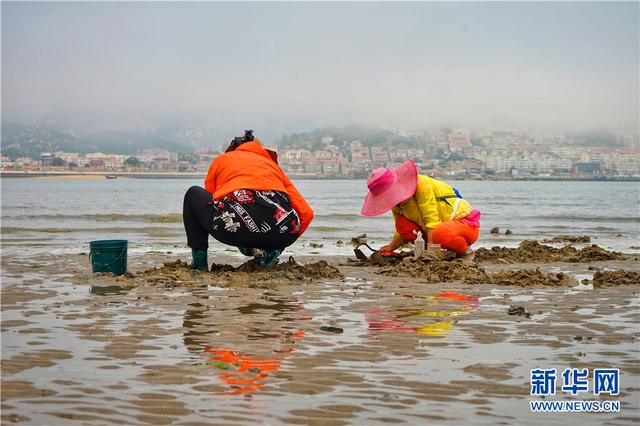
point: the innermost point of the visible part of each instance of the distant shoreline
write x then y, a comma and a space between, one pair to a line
187, 175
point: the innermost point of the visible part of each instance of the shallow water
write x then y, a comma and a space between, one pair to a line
64, 215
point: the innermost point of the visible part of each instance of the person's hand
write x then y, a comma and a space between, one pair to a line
387, 248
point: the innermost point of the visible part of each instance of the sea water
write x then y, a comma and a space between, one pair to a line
63, 215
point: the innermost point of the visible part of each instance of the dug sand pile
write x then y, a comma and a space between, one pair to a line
437, 271
530, 251
179, 274
583, 239
533, 277
470, 273
614, 278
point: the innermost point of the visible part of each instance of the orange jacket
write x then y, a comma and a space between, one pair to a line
251, 167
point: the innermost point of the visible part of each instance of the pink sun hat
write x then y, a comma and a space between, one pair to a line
389, 187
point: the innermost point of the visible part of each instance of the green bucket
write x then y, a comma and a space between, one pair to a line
108, 256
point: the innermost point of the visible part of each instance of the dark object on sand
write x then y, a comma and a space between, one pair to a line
292, 261
105, 290
330, 329
378, 258
359, 254
495, 230
508, 232
518, 310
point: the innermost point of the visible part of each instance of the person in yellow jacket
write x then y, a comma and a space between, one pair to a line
421, 203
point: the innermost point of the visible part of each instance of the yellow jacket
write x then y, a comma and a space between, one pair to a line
428, 212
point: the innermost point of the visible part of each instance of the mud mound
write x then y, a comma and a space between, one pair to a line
437, 271
293, 270
529, 277
595, 253
179, 273
614, 278
584, 239
443, 271
533, 251
169, 274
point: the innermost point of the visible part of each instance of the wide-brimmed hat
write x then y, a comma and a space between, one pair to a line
389, 187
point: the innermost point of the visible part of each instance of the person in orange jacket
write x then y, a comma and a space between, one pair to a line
247, 202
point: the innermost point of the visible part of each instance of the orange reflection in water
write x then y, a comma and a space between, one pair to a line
247, 374
455, 296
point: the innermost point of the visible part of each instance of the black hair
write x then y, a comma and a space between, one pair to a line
237, 141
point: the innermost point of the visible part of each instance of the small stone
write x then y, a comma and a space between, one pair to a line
495, 230
518, 310
508, 232
331, 329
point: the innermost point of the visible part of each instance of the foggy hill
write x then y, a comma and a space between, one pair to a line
368, 135
20, 140
119, 142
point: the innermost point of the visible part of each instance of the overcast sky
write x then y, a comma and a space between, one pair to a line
297, 66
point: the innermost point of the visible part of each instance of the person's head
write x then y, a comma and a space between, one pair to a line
237, 141
389, 187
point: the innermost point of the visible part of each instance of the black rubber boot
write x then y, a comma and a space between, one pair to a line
199, 260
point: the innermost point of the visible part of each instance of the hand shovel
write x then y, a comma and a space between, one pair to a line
360, 255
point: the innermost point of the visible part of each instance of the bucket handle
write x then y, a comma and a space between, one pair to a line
107, 264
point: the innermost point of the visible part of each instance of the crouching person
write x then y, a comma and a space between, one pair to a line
422, 204
247, 202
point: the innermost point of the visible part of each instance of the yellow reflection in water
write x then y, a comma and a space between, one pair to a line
436, 329
432, 314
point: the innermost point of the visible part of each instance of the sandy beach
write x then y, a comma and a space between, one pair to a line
314, 341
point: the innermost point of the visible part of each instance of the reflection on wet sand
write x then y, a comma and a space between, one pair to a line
245, 374
191, 353
380, 319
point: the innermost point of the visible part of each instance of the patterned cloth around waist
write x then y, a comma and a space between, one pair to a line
246, 210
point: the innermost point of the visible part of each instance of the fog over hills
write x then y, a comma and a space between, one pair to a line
20, 140
167, 69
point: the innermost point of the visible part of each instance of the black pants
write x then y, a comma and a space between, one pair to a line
243, 218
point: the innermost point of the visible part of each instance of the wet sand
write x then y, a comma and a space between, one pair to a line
348, 345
